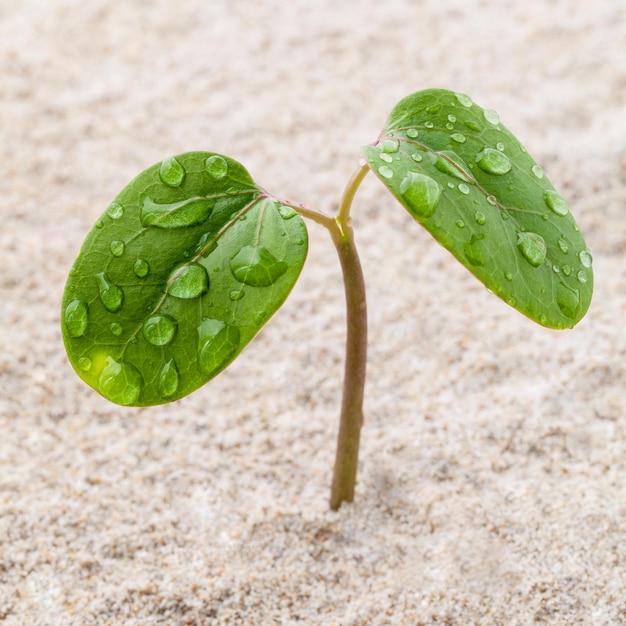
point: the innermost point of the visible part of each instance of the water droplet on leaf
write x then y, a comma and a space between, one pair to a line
491, 116
476, 251
217, 343
385, 171
480, 218
556, 202
421, 193
115, 211
159, 330
585, 258
116, 329
217, 167
168, 379
537, 171
390, 145
387, 158
111, 296
568, 300
493, 162
532, 247
141, 268
236, 294
582, 276
120, 382
188, 212
463, 188
188, 281
450, 162
84, 363
117, 248
257, 266
171, 172
458, 137
412, 133
286, 212
76, 318
466, 101
563, 245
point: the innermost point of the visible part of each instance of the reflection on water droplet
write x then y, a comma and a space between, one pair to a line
236, 294
556, 269
556, 202
168, 379
450, 126
582, 276
188, 281
389, 145
458, 137
120, 382
117, 248
476, 251
532, 247
171, 172
412, 133
387, 158
568, 300
451, 118
116, 329
480, 218
585, 258
141, 268
463, 188
188, 212
537, 171
159, 330
466, 101
84, 363
493, 162
491, 116
385, 171
421, 194
115, 210
257, 266
216, 166
111, 296
76, 318
217, 343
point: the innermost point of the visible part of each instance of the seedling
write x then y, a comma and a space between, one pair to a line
192, 258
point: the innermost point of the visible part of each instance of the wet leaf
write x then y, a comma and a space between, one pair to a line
463, 176
178, 275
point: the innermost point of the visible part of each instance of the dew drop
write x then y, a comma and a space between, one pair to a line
567, 270
458, 137
451, 118
493, 162
385, 171
111, 296
76, 318
141, 268
159, 330
117, 248
556, 269
99, 224
188, 281
532, 247
421, 194
568, 300
556, 202
450, 162
479, 216
188, 212
585, 258
463, 188
120, 382
412, 133
460, 224
537, 171
84, 363
216, 166
472, 126
465, 100
236, 294
492, 200
491, 116
168, 379
582, 276
500, 146
476, 251
429, 125
286, 212
116, 329
450, 126
257, 266
171, 172
115, 210
563, 245
389, 146
217, 343
417, 157
387, 158
508, 276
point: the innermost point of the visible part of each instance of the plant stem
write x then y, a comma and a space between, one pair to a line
351, 420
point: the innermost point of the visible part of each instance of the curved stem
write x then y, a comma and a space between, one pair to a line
351, 419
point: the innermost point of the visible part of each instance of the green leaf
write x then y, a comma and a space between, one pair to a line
177, 276
463, 176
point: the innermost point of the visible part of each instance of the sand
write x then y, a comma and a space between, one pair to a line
492, 484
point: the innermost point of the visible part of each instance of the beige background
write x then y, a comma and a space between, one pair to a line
493, 477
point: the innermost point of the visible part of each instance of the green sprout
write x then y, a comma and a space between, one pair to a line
192, 258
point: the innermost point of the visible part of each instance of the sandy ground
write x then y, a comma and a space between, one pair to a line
492, 485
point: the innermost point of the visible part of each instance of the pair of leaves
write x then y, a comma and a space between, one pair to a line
192, 257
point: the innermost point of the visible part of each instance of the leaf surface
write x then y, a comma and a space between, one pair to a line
178, 275
462, 175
